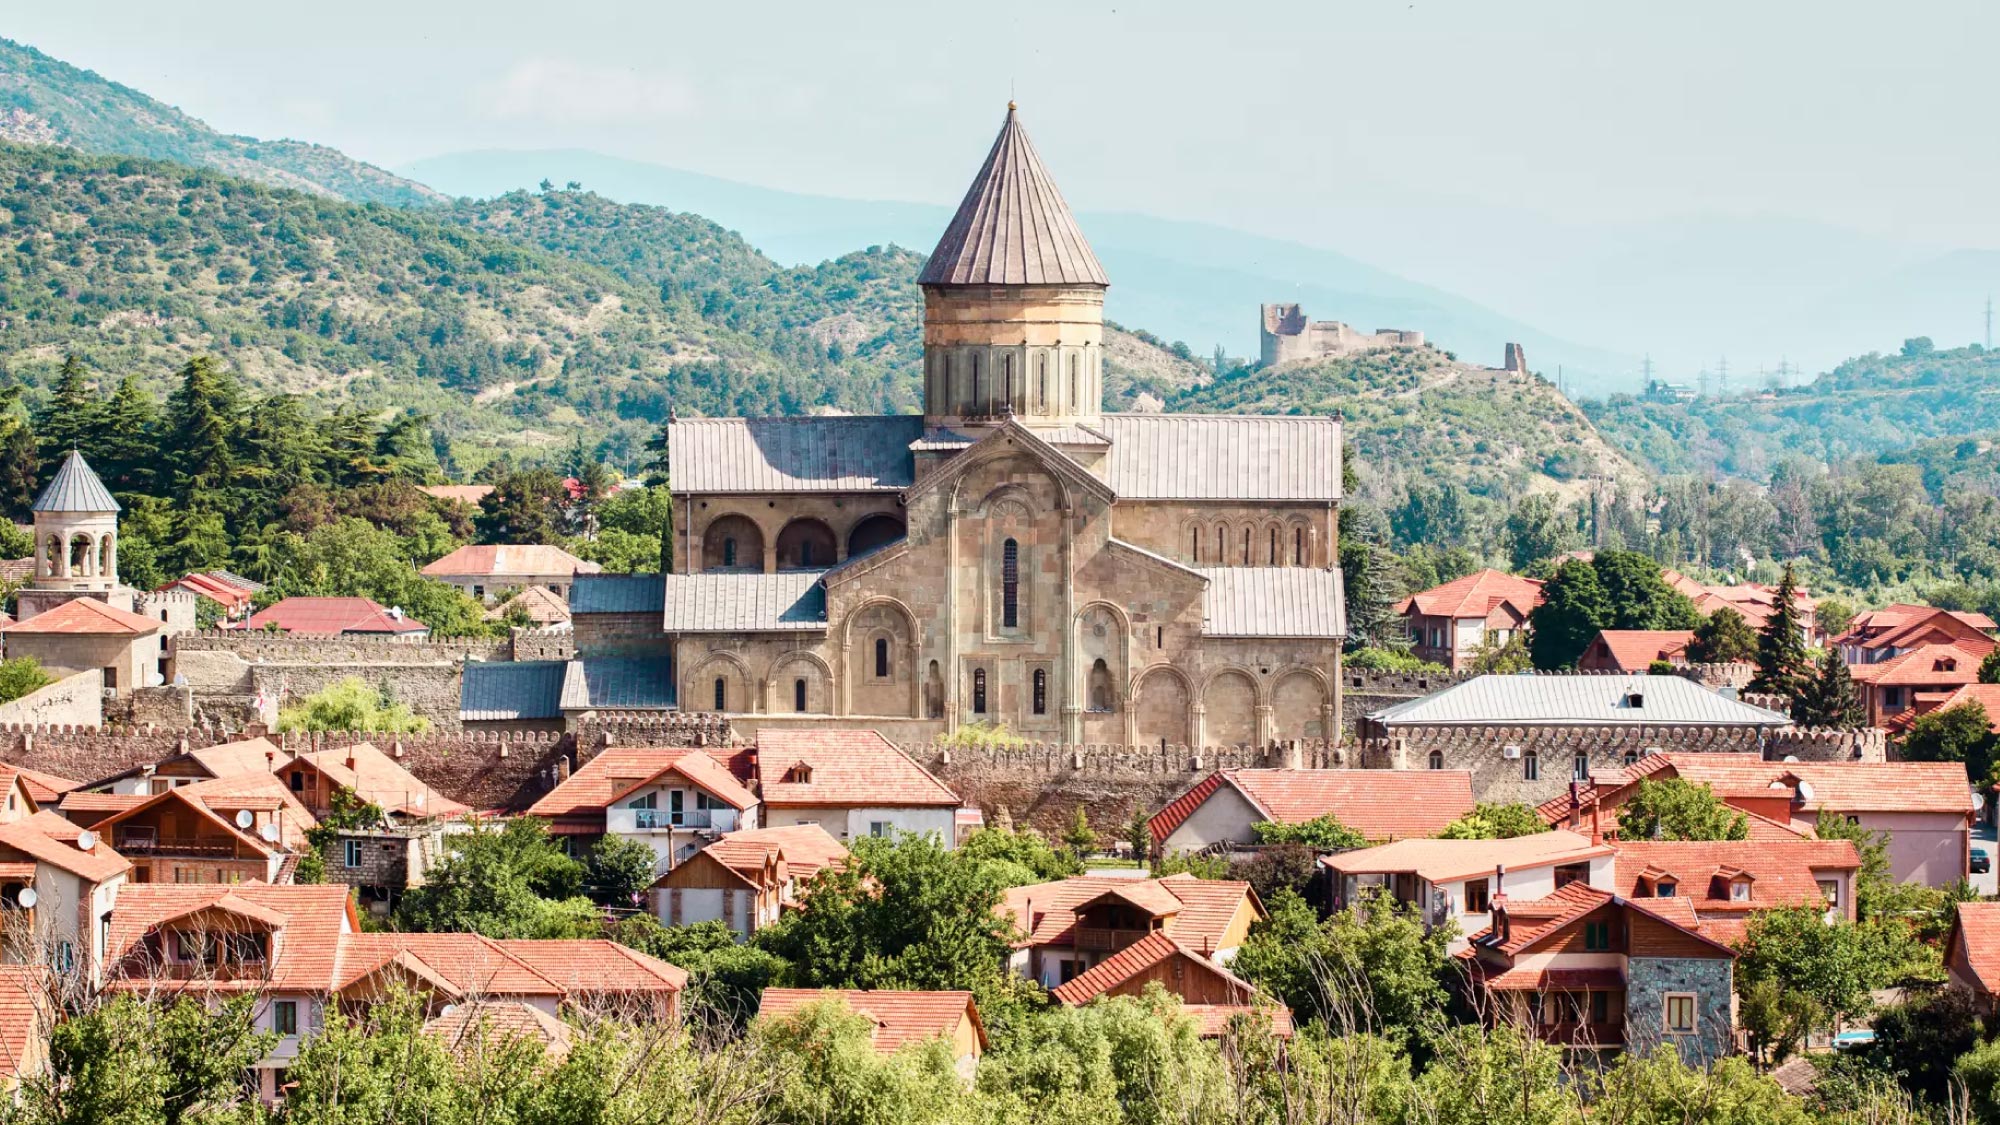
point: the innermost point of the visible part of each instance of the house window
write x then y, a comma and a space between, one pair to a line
1631, 758
721, 693
882, 657
1597, 936
1600, 1007
729, 552
1437, 759
1666, 889
1531, 766
676, 807
1274, 547
1041, 691
350, 853
285, 1017
1739, 890
1579, 767
1298, 546
977, 386
878, 828
1194, 543
1478, 896
1679, 1008
1830, 890
979, 691
298, 781
1010, 584
798, 695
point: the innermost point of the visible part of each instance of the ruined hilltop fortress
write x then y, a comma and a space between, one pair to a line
1285, 335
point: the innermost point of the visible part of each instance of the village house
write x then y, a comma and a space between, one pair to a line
29, 1009
1634, 650
1456, 881
537, 604
1210, 994
484, 570
1594, 972
227, 830
1876, 635
202, 763
1726, 882
58, 882
1069, 926
1225, 807
900, 1018
302, 949
490, 1028
852, 783
582, 807
746, 878
1755, 602
1972, 953
338, 617
1925, 808
233, 595
1525, 738
1450, 623
383, 859
1896, 689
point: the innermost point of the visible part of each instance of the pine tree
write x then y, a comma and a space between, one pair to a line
1574, 608
1369, 573
1830, 699
1724, 638
1783, 667
1989, 668
66, 420
202, 422
122, 441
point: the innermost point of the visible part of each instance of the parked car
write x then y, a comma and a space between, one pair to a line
1982, 862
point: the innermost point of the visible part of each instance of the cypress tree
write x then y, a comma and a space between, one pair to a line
201, 427
121, 439
1830, 699
1783, 668
67, 420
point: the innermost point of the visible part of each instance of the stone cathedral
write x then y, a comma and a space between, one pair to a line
1015, 555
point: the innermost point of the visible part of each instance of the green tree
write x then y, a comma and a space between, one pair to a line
1139, 830
838, 1078
1989, 668
128, 1060
1919, 1039
20, 466
1495, 821
1954, 734
1368, 573
1375, 960
1637, 597
1503, 659
506, 882
1658, 1088
1783, 665
1574, 609
1538, 530
1830, 698
1822, 972
22, 675
351, 557
1079, 837
1502, 1076
203, 417
349, 705
1322, 833
618, 871
1723, 638
1677, 809
642, 514
1019, 857
726, 978
120, 438
67, 418
524, 507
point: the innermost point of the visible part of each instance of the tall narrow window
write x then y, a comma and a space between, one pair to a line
806, 553
1579, 769
729, 552
721, 694
1274, 547
1007, 383
979, 691
978, 400
1221, 545
798, 695
882, 657
1531, 766
1010, 585
1041, 691
1298, 546
1041, 384
1246, 547
1073, 400
1194, 543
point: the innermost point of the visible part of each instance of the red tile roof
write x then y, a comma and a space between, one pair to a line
1149, 951
484, 1025
364, 770
1478, 594
1635, 650
597, 969
509, 561
1379, 804
1901, 624
305, 959
805, 848
584, 794
48, 838
84, 617
1211, 1021
1843, 787
251, 755
1928, 665
900, 1017
1782, 874
1199, 910
843, 768
230, 597
1975, 943
333, 616
28, 1011
1446, 861
1986, 695
702, 772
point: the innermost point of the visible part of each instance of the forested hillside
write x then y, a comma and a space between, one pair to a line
48, 101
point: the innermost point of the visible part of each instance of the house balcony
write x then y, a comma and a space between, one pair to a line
1097, 939
146, 843
1583, 1034
628, 821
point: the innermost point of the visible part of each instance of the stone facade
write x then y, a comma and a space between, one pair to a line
1284, 334
1711, 980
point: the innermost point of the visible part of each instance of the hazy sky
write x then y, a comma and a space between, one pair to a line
1445, 139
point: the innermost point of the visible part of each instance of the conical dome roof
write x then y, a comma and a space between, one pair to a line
1013, 227
76, 489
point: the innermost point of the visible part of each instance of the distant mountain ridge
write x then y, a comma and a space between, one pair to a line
47, 101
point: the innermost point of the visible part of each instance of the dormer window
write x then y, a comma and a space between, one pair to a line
1945, 664
799, 774
1665, 889
1635, 699
1739, 890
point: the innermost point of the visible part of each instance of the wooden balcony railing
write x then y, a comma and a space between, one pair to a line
1099, 939
1584, 1034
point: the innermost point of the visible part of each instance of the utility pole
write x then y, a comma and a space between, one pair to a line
1646, 369
1722, 379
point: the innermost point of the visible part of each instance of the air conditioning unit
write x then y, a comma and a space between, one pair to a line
1510, 753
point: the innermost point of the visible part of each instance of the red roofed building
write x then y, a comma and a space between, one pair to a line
1449, 623
1634, 650
30, 1004
338, 617
1070, 925
1917, 680
232, 592
746, 878
1594, 971
1972, 952
1728, 881
1382, 805
1754, 601
901, 1019
82, 634
1212, 994
224, 830
1456, 881
853, 783
1879, 634
483, 570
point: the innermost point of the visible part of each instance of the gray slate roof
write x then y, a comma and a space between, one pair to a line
739, 602
1223, 457
1013, 227
616, 593
1273, 601
837, 453
500, 690
636, 683
75, 488
1545, 700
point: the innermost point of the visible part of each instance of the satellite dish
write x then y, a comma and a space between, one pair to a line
1978, 800
1791, 757
447, 1010
86, 840
26, 898
245, 818
269, 832
1805, 791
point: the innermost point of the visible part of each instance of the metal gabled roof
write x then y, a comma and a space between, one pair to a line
723, 601
820, 453
1013, 227
1223, 457
76, 489
1577, 700
1273, 601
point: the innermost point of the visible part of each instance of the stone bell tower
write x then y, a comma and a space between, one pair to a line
1013, 301
76, 531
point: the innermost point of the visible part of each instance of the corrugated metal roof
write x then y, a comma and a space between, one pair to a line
75, 488
616, 593
1223, 457
827, 453
736, 602
1273, 601
1541, 700
619, 683
500, 690
1013, 227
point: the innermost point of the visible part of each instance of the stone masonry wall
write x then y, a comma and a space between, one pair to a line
1650, 979
75, 699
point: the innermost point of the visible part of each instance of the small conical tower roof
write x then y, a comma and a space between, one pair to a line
1013, 227
76, 489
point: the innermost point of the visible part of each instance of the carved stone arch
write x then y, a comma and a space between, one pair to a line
1195, 547
1300, 696
807, 543
732, 541
1162, 706
1258, 694
1008, 496
1231, 698
81, 547
1298, 542
860, 690
876, 529
739, 687
54, 557
788, 670
1272, 549
1103, 653
1218, 541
